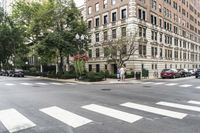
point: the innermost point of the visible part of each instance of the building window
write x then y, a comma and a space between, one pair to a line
154, 35
141, 14
97, 7
89, 24
97, 53
154, 4
97, 22
123, 14
97, 37
161, 37
105, 19
154, 52
114, 17
161, 52
113, 2
105, 35
123, 31
142, 32
142, 50
97, 68
90, 67
105, 3
114, 33
89, 10
90, 53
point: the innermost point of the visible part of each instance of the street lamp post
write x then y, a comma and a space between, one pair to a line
41, 67
80, 39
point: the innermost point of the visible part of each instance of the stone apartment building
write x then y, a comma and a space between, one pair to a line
169, 32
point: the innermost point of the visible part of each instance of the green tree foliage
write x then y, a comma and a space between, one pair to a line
51, 27
10, 39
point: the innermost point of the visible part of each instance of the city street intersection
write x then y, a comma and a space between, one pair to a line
31, 105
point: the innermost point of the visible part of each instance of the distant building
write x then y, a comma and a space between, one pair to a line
6, 5
171, 29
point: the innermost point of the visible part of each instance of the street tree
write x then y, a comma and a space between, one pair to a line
120, 50
10, 39
51, 27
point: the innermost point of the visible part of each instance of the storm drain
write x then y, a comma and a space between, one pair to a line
106, 89
35, 86
147, 86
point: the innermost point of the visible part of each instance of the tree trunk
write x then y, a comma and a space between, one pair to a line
61, 62
68, 64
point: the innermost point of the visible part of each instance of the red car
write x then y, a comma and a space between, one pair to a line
170, 73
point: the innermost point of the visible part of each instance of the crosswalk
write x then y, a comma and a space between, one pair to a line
40, 84
181, 85
14, 121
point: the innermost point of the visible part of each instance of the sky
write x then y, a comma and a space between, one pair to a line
79, 2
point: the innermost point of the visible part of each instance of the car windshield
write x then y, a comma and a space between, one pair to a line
166, 70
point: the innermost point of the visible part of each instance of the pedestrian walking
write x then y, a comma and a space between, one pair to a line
122, 73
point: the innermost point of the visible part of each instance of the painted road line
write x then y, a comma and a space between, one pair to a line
198, 87
159, 83
154, 110
171, 84
194, 102
145, 83
26, 84
9, 84
41, 83
66, 117
55, 83
14, 121
70, 83
127, 117
185, 85
180, 106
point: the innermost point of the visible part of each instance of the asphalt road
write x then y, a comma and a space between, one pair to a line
40, 106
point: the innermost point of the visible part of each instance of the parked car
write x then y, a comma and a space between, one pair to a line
197, 73
7, 73
2, 72
184, 72
170, 73
17, 73
192, 72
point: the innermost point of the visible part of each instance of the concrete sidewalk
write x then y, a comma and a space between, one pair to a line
107, 81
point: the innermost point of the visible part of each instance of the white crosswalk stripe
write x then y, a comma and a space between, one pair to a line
14, 121
145, 83
159, 83
171, 84
70, 83
198, 87
66, 117
55, 83
127, 117
185, 85
27, 84
10, 84
194, 102
180, 106
154, 110
41, 83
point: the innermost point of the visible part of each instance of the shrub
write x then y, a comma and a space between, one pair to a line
93, 77
68, 75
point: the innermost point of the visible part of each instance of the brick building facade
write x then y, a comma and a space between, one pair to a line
170, 30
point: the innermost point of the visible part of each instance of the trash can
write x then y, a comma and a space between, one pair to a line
138, 75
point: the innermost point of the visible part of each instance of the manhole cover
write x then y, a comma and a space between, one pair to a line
35, 86
106, 89
147, 86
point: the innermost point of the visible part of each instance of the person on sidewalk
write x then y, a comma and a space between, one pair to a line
122, 73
